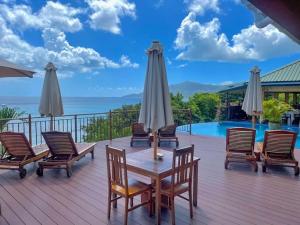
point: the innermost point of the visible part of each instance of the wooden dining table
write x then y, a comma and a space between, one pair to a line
143, 163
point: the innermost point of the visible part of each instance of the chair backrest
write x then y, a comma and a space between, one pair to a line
169, 131
240, 140
16, 144
116, 168
60, 143
138, 130
182, 166
279, 143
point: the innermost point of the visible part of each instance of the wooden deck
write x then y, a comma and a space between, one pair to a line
237, 196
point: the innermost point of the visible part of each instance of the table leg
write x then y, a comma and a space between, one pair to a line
157, 202
115, 202
195, 184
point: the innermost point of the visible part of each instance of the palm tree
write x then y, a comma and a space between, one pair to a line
7, 114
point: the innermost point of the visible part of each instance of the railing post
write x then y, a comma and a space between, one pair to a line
110, 125
75, 118
190, 121
30, 129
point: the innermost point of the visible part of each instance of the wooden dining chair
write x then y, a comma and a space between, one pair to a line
180, 181
119, 186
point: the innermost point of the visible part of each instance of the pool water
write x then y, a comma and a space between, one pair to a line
218, 129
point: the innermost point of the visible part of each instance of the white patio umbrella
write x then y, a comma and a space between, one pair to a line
252, 103
51, 102
8, 69
156, 111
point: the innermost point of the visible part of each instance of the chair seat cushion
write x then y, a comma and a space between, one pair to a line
166, 185
134, 187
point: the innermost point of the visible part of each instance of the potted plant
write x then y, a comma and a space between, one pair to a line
273, 110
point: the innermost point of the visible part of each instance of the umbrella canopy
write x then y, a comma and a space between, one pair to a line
51, 103
8, 69
252, 103
156, 111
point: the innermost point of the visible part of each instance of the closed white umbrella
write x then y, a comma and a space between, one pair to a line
8, 69
51, 102
156, 111
252, 103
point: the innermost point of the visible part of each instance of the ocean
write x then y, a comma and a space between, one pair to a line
72, 105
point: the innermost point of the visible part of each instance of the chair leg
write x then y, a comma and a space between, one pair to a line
264, 166
172, 208
109, 204
92, 153
191, 202
126, 211
131, 202
150, 203
115, 203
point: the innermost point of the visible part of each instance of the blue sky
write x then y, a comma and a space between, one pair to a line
99, 46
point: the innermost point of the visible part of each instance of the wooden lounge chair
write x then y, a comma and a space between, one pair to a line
64, 152
278, 149
120, 186
180, 181
240, 146
138, 134
168, 134
18, 152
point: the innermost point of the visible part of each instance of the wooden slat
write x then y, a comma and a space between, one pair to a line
232, 197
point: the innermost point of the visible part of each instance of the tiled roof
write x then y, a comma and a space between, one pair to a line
288, 73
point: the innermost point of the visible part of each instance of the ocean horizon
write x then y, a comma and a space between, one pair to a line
72, 105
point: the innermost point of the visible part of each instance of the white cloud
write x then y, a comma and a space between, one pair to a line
159, 3
227, 82
68, 59
53, 14
201, 6
125, 62
182, 65
169, 61
106, 14
205, 42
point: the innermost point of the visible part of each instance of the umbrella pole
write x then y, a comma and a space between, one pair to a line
155, 145
51, 123
253, 121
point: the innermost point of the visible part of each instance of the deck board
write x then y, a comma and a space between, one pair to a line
236, 196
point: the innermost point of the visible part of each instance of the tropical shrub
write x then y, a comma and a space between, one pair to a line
204, 106
273, 110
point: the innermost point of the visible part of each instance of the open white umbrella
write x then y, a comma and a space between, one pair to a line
252, 103
156, 111
51, 102
8, 69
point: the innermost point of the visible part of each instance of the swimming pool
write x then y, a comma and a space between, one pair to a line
218, 129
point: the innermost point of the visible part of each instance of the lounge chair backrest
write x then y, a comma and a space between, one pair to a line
60, 143
279, 143
116, 168
16, 144
240, 140
169, 131
138, 130
182, 166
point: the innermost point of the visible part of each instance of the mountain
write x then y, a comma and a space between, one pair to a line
187, 89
